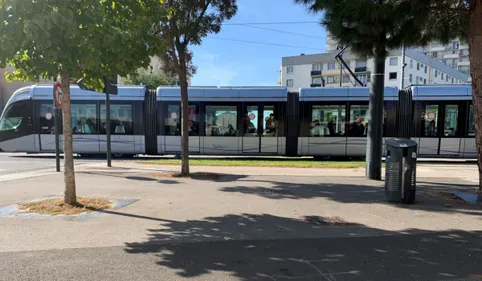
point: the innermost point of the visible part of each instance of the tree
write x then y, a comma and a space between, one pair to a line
74, 39
445, 20
150, 80
186, 23
372, 28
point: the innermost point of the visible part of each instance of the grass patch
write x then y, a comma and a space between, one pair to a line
56, 206
281, 163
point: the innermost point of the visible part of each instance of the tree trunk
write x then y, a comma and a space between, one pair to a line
475, 43
184, 113
70, 196
375, 119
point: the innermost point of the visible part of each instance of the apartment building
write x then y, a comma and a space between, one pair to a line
311, 70
454, 54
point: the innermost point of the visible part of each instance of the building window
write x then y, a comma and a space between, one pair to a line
411, 63
289, 69
446, 78
410, 78
331, 66
436, 73
441, 75
455, 45
418, 66
362, 78
330, 80
426, 69
221, 120
316, 80
392, 75
346, 79
421, 79
416, 79
434, 55
452, 80
394, 61
289, 83
424, 81
327, 120
317, 67
360, 63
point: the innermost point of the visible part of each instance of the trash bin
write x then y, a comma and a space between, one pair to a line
400, 170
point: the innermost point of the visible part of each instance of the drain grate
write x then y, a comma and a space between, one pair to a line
334, 221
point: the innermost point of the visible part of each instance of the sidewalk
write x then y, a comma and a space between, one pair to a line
247, 203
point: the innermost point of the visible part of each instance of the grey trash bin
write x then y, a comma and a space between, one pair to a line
400, 170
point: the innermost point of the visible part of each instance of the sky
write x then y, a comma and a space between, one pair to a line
222, 61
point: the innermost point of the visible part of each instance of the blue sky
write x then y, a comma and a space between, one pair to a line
223, 62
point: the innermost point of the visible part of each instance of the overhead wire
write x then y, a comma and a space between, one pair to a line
265, 43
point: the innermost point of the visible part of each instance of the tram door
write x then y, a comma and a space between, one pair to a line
260, 127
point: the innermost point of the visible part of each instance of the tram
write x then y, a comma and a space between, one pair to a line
320, 122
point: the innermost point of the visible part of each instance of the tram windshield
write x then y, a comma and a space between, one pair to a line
14, 116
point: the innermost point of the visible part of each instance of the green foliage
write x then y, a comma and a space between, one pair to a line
188, 22
150, 80
371, 27
83, 38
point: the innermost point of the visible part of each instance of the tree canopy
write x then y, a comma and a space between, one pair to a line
150, 80
367, 25
87, 39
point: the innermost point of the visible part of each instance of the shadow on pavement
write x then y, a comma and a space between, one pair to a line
297, 250
363, 192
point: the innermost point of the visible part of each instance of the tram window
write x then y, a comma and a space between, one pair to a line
120, 119
327, 120
471, 129
251, 121
358, 121
431, 115
173, 120
47, 118
270, 124
451, 120
221, 120
84, 119
17, 117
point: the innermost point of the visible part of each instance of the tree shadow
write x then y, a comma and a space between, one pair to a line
363, 192
267, 247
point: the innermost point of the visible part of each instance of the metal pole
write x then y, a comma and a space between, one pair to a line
57, 142
107, 128
341, 75
402, 82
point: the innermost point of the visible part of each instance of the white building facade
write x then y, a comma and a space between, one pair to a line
454, 54
305, 71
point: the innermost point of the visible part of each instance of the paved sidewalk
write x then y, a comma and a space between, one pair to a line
248, 208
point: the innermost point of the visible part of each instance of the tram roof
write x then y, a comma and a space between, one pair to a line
343, 94
45, 92
441, 92
252, 94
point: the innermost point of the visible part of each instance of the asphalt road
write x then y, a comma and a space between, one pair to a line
436, 256
12, 163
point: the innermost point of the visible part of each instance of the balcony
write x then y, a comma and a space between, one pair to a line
316, 73
360, 69
315, 85
451, 56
